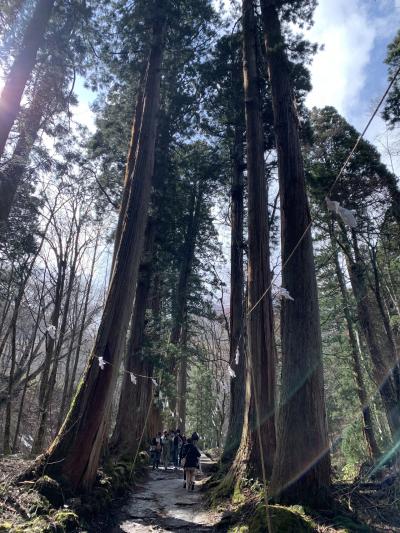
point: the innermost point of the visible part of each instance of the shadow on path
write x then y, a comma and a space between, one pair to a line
162, 504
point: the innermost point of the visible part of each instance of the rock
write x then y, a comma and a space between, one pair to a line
51, 490
66, 521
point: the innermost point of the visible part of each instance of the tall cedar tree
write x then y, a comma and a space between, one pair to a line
236, 304
74, 455
367, 187
135, 402
257, 447
224, 77
302, 464
368, 427
21, 68
51, 93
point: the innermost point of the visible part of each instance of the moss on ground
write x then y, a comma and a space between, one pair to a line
51, 509
59, 522
51, 490
283, 519
242, 501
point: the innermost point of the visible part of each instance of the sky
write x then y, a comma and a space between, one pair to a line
349, 73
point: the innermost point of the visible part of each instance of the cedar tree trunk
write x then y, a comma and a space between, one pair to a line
236, 307
261, 355
302, 464
74, 455
21, 68
128, 428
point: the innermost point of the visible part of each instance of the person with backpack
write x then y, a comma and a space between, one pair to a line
155, 452
190, 460
195, 440
175, 447
165, 449
182, 446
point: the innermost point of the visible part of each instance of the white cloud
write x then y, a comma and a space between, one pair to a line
350, 30
84, 115
338, 71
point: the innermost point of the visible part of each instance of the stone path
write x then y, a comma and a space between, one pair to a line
162, 505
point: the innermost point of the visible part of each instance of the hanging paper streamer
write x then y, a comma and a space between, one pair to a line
237, 355
231, 372
284, 293
102, 363
133, 378
281, 292
346, 215
154, 382
51, 330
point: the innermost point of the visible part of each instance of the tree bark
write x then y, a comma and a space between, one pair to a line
182, 382
134, 398
188, 250
74, 455
11, 176
130, 163
236, 307
381, 365
21, 68
182, 288
368, 428
390, 335
302, 465
258, 437
7, 423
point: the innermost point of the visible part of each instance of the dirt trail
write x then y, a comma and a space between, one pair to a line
161, 504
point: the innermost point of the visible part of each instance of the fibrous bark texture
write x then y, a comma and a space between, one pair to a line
74, 454
21, 68
302, 465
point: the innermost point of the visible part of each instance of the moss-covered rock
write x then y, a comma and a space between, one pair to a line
51, 490
45, 509
66, 521
285, 519
253, 519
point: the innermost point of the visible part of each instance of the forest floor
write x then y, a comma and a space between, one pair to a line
158, 503
162, 504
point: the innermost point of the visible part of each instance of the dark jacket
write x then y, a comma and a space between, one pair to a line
191, 454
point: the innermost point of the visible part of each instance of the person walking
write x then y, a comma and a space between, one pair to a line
190, 456
175, 447
165, 450
181, 454
155, 452
181, 448
195, 440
